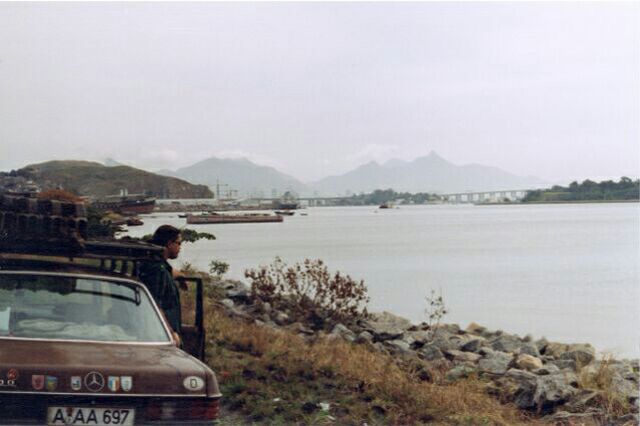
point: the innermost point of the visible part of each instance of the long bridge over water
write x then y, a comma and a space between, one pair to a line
453, 198
486, 196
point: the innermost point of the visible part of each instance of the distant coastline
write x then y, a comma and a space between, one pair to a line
527, 203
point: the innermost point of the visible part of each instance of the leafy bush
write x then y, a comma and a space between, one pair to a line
188, 236
191, 236
218, 267
98, 225
309, 292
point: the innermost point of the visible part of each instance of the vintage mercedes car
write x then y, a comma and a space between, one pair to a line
82, 341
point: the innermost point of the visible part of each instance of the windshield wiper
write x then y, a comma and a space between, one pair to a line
136, 299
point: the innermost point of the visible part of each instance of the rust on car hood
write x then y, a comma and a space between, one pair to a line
82, 368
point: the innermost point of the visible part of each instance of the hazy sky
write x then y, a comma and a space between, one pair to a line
314, 89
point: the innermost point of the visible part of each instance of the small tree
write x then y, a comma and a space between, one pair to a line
434, 311
309, 292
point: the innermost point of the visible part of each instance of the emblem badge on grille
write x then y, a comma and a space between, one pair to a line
37, 381
114, 383
126, 382
76, 383
94, 381
13, 374
51, 382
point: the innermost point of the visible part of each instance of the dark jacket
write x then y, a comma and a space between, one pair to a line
158, 278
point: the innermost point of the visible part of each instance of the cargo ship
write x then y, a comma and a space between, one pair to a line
210, 218
130, 204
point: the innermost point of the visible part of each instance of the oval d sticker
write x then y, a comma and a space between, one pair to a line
193, 383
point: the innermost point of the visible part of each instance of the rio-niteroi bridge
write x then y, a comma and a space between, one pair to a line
486, 196
453, 198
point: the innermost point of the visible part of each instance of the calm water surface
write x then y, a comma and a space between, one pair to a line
566, 272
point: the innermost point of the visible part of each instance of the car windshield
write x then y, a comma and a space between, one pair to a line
64, 307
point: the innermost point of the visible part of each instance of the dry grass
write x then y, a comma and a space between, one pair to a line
256, 365
612, 402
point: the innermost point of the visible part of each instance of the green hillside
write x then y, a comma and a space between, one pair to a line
95, 179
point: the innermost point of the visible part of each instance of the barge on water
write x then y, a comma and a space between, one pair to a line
231, 218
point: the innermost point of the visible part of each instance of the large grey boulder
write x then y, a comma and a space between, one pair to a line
300, 329
447, 341
553, 390
520, 387
228, 303
583, 401
364, 338
237, 291
460, 356
460, 371
473, 345
430, 352
398, 346
626, 388
281, 318
546, 370
565, 364
419, 337
447, 328
528, 362
513, 344
581, 354
541, 344
625, 369
495, 363
583, 419
386, 326
476, 329
339, 330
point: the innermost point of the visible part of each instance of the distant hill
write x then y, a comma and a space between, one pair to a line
95, 179
241, 175
430, 173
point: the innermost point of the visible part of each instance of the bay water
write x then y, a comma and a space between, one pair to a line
567, 272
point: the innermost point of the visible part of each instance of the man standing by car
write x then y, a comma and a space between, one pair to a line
159, 278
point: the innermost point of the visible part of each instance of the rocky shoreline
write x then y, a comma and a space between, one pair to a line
561, 383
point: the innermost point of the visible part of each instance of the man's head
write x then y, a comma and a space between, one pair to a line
169, 237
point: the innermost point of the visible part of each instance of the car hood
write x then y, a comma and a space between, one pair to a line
126, 369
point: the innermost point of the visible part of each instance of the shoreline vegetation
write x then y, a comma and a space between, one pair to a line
280, 364
528, 203
588, 191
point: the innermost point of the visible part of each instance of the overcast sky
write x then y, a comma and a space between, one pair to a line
315, 89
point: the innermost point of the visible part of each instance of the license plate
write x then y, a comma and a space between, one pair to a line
90, 416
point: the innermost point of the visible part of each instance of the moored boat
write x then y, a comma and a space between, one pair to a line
229, 218
131, 204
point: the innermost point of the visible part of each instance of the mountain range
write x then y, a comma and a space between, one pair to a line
248, 178
430, 173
